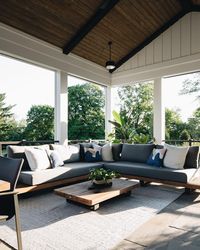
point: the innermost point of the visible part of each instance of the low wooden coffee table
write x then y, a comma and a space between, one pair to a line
79, 193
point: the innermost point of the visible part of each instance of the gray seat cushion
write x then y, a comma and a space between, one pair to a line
69, 170
136, 152
144, 170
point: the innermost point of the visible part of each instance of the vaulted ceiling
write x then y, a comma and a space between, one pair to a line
84, 27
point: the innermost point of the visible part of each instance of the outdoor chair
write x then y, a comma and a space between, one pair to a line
9, 171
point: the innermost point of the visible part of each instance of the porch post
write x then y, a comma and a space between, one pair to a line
108, 111
61, 107
159, 112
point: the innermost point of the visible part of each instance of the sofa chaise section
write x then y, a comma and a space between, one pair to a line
69, 170
152, 172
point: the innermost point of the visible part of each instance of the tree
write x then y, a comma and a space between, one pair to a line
136, 107
6, 118
192, 86
85, 112
194, 124
40, 123
173, 124
185, 136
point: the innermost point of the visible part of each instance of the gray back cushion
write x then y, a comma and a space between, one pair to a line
18, 152
192, 157
116, 151
136, 152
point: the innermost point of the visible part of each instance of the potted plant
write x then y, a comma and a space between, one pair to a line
102, 177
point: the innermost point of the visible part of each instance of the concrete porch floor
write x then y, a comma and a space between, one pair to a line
175, 227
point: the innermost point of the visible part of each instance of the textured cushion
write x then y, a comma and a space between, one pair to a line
107, 152
18, 153
69, 170
156, 158
55, 158
37, 159
82, 152
175, 156
136, 152
144, 170
116, 151
93, 154
68, 153
192, 157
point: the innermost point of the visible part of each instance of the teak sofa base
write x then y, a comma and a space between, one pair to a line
193, 184
21, 189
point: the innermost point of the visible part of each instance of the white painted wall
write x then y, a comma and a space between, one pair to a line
175, 51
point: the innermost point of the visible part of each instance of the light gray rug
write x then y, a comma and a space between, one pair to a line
48, 222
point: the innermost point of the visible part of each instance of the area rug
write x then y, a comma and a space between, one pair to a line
49, 222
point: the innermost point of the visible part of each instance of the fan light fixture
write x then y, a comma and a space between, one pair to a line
110, 64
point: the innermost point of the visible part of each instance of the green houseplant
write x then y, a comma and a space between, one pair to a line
102, 177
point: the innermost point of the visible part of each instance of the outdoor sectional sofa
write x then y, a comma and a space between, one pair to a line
128, 159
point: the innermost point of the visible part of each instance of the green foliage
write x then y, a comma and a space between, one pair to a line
173, 124
194, 124
185, 136
122, 130
40, 123
137, 107
85, 112
102, 174
141, 138
6, 119
134, 122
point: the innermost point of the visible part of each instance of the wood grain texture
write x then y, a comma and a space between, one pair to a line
194, 183
127, 25
4, 186
80, 193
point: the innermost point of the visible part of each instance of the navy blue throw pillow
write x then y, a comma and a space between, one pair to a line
92, 154
156, 157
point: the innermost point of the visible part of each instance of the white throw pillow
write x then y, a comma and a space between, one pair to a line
107, 152
68, 153
37, 159
55, 158
175, 156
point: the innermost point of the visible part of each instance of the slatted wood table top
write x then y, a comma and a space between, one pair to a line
4, 186
81, 194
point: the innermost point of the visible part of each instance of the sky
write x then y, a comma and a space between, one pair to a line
26, 85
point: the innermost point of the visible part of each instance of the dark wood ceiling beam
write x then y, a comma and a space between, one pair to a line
104, 8
196, 8
186, 5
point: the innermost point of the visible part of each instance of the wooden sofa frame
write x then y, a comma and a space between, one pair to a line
21, 189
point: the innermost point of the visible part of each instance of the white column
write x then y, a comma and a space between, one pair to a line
159, 112
61, 107
108, 111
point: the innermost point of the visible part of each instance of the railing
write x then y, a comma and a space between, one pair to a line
190, 142
87, 141
3, 144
